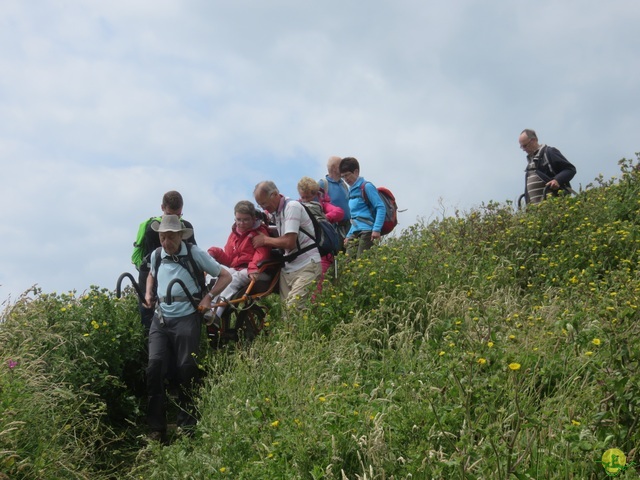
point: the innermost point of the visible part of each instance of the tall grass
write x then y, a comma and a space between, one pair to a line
492, 344
70, 368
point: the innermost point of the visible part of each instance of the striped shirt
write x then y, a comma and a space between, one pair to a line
535, 185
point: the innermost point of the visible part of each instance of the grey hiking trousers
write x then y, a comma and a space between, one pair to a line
178, 340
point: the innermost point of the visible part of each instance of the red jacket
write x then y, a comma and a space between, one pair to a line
239, 252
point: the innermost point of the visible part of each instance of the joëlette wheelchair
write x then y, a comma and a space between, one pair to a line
243, 317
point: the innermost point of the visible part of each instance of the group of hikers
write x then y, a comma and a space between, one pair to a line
166, 251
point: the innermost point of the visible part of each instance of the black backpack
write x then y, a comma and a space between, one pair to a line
187, 262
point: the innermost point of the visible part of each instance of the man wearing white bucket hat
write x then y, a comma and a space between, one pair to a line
176, 327
147, 241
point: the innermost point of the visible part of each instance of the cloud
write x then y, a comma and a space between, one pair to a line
104, 107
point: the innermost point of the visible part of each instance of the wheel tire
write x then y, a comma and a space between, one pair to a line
219, 337
251, 321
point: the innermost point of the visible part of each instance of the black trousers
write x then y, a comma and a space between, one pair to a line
175, 340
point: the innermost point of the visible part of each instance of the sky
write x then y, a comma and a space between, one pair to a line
104, 106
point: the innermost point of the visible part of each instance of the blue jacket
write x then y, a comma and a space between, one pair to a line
365, 217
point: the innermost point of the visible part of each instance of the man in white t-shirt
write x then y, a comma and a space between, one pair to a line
302, 267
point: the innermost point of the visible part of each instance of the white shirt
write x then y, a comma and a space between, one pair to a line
291, 217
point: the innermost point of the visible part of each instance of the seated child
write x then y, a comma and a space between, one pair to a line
239, 256
316, 199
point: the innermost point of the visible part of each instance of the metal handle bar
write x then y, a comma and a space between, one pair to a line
133, 283
249, 297
545, 191
168, 297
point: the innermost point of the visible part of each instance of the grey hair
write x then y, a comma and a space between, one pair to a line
530, 133
267, 187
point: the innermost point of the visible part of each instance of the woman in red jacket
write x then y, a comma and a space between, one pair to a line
239, 256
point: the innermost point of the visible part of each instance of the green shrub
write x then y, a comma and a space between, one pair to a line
70, 370
490, 344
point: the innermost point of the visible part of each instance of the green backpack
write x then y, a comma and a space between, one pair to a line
138, 246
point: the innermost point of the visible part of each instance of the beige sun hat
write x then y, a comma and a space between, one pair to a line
171, 223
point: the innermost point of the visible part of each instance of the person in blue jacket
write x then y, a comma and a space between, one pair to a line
367, 213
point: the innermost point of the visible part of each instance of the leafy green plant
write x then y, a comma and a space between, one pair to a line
490, 344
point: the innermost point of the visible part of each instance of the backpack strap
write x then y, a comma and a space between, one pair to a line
186, 261
364, 194
542, 160
195, 270
546, 161
325, 187
300, 251
368, 204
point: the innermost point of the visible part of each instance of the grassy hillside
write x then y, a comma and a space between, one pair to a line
490, 344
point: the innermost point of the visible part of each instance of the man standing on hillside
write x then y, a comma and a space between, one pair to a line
338, 192
172, 204
302, 268
546, 167
174, 336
